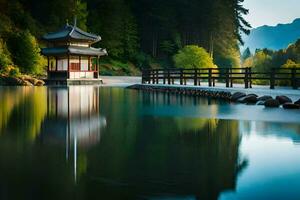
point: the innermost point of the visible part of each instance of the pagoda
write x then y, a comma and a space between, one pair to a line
71, 57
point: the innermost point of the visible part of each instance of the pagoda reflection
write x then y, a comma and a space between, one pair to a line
73, 120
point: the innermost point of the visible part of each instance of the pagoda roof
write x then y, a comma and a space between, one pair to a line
69, 33
74, 50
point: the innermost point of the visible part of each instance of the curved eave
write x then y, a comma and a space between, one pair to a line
71, 33
56, 51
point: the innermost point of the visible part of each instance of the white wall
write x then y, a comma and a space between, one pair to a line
76, 75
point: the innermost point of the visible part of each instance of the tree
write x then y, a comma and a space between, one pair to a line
192, 56
26, 53
5, 57
291, 64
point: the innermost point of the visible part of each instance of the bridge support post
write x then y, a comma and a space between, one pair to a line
168, 73
195, 77
227, 77
272, 79
209, 77
181, 76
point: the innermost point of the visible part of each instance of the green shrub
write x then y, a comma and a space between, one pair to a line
26, 53
14, 72
192, 56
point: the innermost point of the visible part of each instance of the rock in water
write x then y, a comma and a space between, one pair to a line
237, 95
272, 103
260, 103
291, 106
264, 98
297, 102
250, 98
283, 99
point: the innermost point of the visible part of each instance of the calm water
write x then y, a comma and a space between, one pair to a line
111, 143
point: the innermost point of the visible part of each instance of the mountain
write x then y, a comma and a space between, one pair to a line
273, 37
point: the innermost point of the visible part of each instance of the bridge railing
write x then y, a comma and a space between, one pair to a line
229, 76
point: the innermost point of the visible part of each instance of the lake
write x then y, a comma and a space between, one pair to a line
85, 142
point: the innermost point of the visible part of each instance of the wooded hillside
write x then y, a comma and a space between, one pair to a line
142, 32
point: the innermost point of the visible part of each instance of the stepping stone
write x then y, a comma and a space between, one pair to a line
291, 106
272, 103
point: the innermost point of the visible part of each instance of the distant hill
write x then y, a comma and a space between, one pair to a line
273, 37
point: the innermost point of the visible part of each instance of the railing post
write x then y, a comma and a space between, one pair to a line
181, 76
272, 79
169, 80
227, 77
231, 79
157, 80
209, 77
143, 76
195, 77
164, 76
153, 76
246, 78
293, 80
250, 76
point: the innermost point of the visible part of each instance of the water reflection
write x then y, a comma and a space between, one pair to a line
110, 143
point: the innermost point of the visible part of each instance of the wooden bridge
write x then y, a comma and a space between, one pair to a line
229, 76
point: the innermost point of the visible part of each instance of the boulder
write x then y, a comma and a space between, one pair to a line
260, 103
283, 99
237, 95
253, 95
291, 106
297, 102
272, 103
39, 83
249, 99
264, 98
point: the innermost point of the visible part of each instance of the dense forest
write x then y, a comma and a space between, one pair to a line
136, 33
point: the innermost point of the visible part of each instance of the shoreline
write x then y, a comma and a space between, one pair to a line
230, 95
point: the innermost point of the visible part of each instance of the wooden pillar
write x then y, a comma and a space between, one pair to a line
79, 63
272, 79
56, 63
227, 77
209, 77
169, 80
195, 77
89, 63
246, 78
68, 72
181, 76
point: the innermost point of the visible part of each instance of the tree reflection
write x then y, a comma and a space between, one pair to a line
90, 142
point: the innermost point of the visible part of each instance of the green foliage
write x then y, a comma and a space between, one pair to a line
264, 60
142, 32
14, 72
291, 64
5, 57
192, 56
81, 13
26, 53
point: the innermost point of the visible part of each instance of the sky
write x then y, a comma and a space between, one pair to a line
272, 12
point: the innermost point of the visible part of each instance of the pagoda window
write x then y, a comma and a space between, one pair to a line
62, 64
74, 63
84, 63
